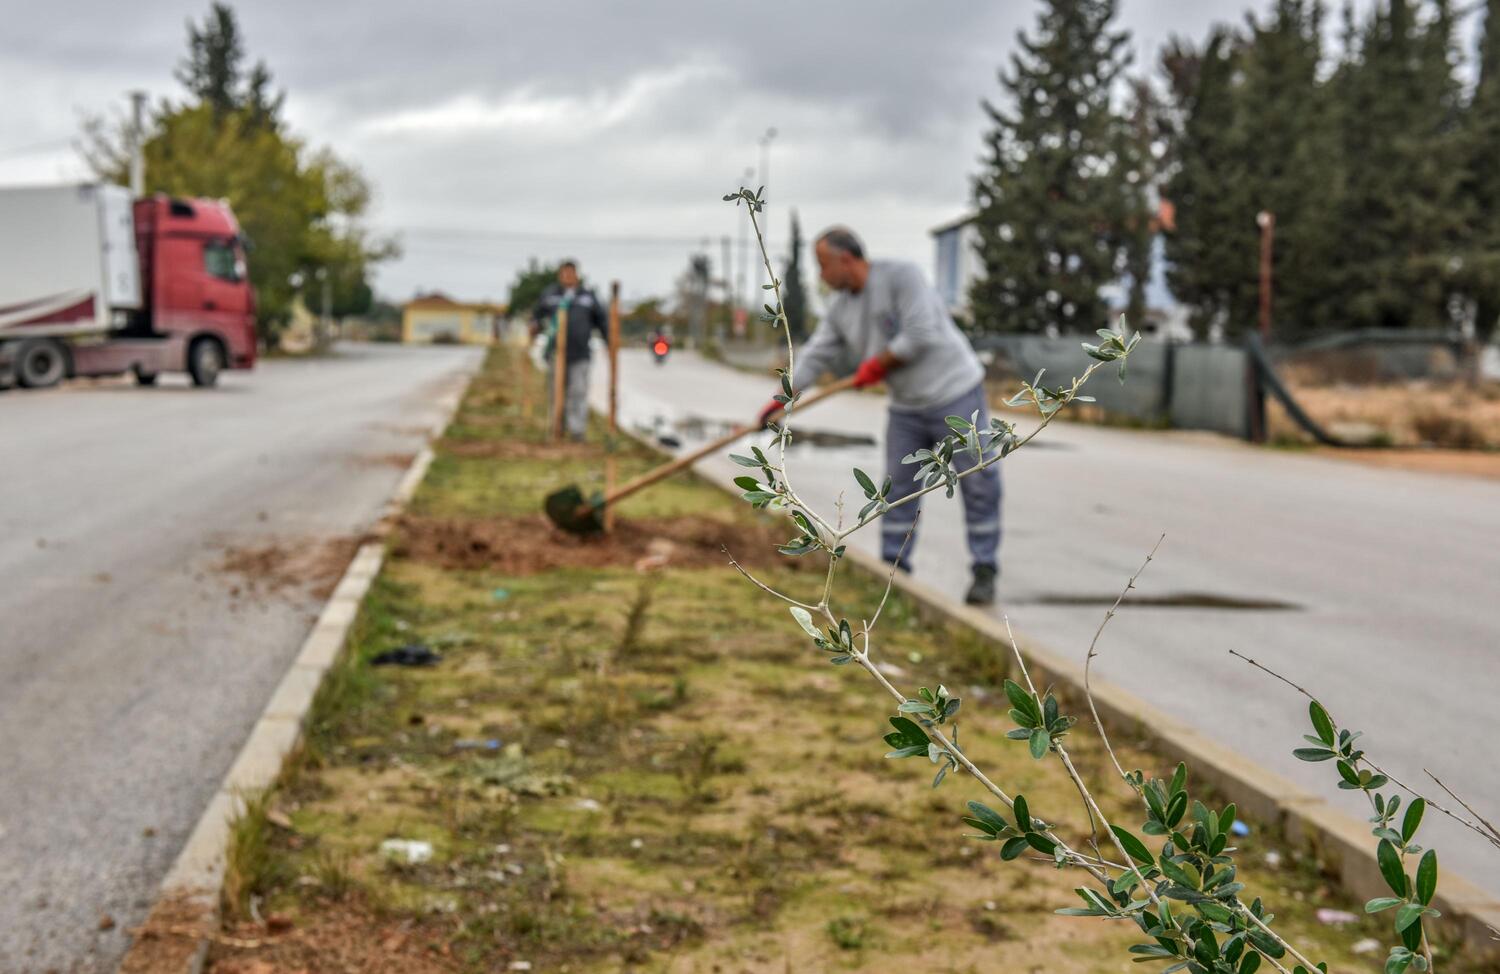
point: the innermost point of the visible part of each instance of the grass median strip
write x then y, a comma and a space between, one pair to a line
626, 759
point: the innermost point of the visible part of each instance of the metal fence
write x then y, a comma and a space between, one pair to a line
1201, 387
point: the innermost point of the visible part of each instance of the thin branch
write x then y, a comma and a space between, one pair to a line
1088, 691
1494, 834
1279, 939
1083, 790
833, 537
862, 657
768, 589
1015, 648
1047, 418
1486, 831
890, 578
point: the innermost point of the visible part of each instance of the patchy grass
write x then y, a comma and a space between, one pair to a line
1441, 415
679, 782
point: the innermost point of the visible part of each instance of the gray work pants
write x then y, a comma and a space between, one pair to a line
907, 432
575, 400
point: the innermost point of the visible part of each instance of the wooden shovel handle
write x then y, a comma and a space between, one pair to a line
559, 372
683, 462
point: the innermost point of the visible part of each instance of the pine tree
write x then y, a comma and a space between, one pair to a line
793, 294
1049, 203
1210, 250
1141, 152
213, 73
1402, 215
1482, 186
1253, 137
1283, 117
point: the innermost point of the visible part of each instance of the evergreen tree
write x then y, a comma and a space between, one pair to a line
529, 283
1283, 117
212, 70
1210, 246
1050, 202
1402, 214
1482, 188
1142, 153
1253, 136
793, 294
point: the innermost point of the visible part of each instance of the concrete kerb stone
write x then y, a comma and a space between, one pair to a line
1339, 840
187, 903
294, 695
340, 612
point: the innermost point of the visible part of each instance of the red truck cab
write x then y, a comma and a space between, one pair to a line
194, 279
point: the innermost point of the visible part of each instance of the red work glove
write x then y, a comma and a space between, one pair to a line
870, 371
767, 411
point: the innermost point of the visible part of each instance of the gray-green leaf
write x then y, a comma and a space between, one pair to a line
804, 619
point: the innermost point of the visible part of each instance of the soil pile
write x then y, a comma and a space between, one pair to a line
525, 545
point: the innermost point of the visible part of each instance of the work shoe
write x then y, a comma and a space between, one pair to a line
982, 591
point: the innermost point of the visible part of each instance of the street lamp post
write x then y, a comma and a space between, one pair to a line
764, 181
739, 285
1266, 220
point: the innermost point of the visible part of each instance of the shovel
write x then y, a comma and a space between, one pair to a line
560, 373
576, 514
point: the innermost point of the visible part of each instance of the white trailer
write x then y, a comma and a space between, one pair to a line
68, 263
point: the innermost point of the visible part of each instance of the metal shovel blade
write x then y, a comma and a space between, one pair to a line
574, 513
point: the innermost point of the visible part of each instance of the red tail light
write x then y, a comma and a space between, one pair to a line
660, 348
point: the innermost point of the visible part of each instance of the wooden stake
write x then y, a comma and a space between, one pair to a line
559, 373
523, 381
614, 395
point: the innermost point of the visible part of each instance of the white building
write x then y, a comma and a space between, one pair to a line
956, 267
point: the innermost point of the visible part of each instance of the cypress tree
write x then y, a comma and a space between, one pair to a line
794, 295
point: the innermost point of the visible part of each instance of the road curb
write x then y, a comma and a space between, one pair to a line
180, 927
1338, 840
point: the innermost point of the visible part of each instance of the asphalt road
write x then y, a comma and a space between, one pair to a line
161, 554
1377, 589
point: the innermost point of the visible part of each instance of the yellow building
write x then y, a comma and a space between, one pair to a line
436, 317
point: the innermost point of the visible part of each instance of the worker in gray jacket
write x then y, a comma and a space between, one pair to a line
890, 321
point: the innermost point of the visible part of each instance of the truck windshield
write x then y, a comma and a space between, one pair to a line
223, 261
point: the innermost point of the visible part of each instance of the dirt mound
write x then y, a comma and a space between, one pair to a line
517, 450
310, 566
343, 939
399, 461
524, 545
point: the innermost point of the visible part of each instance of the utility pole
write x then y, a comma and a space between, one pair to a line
325, 320
729, 302
137, 144
1267, 222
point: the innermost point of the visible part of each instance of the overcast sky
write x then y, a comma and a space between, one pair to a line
602, 130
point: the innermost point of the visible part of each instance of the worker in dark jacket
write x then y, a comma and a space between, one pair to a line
586, 315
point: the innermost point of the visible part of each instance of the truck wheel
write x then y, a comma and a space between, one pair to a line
40, 363
205, 360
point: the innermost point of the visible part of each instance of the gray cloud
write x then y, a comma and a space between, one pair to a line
603, 130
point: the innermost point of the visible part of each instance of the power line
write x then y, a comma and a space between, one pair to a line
34, 148
542, 236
